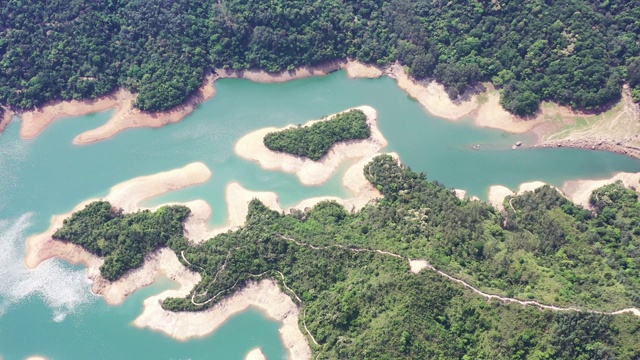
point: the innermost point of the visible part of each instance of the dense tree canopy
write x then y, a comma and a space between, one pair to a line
315, 141
365, 304
123, 240
575, 52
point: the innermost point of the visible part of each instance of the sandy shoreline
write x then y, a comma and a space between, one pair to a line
197, 228
255, 354
126, 116
616, 130
577, 191
550, 125
497, 193
128, 196
484, 108
264, 295
251, 147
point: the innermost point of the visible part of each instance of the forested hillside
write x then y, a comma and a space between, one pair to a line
360, 303
123, 240
575, 52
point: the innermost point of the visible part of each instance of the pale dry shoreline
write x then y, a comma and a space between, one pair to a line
265, 294
251, 147
255, 354
197, 227
577, 191
549, 125
126, 116
128, 196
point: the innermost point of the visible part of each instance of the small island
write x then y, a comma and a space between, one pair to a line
314, 151
314, 141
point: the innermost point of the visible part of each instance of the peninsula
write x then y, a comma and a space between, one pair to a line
314, 253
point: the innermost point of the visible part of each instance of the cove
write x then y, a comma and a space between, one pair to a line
49, 175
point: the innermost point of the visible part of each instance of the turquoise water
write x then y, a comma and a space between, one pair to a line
49, 175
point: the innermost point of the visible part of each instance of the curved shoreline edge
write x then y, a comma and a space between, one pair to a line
552, 126
126, 116
578, 191
265, 294
255, 354
251, 147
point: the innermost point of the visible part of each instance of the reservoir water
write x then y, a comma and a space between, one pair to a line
50, 310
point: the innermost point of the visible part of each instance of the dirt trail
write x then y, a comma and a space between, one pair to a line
416, 266
425, 264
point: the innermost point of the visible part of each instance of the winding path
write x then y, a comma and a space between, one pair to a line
284, 284
421, 265
503, 299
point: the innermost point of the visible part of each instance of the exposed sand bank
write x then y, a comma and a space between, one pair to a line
497, 193
579, 191
251, 147
616, 130
265, 295
356, 69
485, 108
197, 227
35, 357
461, 194
126, 116
35, 121
432, 96
128, 196
255, 354
492, 115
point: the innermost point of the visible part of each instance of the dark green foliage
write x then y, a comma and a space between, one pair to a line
123, 240
315, 141
575, 52
633, 78
363, 304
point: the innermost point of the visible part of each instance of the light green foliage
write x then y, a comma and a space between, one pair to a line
363, 304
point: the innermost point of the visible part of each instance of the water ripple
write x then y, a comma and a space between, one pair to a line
64, 290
